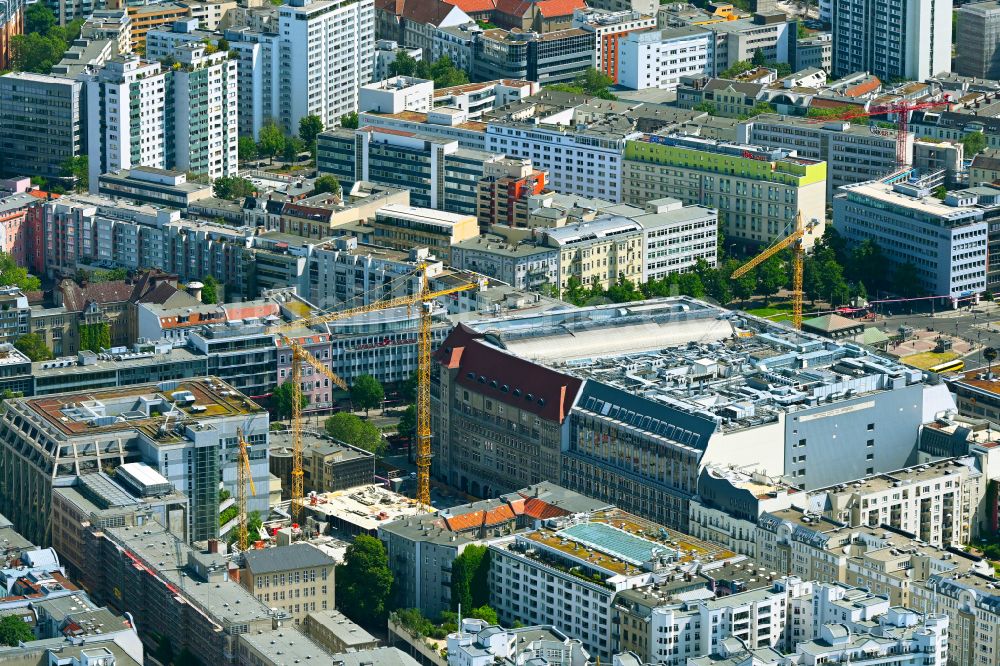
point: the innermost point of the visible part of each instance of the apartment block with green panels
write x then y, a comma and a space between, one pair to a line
758, 192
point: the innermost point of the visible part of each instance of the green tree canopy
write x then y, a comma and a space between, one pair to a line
364, 582
309, 128
326, 183
737, 68
210, 290
293, 146
403, 65
355, 431
770, 277
442, 72
17, 276
408, 388
281, 401
759, 59
470, 584
77, 168
33, 346
408, 422
232, 187
247, 148
14, 630
367, 393
349, 120
974, 142
39, 18
270, 140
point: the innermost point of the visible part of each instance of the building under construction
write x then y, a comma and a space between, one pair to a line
177, 428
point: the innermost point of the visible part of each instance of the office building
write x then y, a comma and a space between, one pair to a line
552, 57
576, 405
406, 227
609, 29
739, 39
147, 185
892, 39
583, 160
852, 152
415, 23
167, 426
944, 241
40, 123
98, 501
758, 192
659, 59
297, 578
436, 171
327, 465
477, 99
815, 51
141, 364
397, 94
976, 53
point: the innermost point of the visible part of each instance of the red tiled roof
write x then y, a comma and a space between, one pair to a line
552, 8
474, 6
464, 522
501, 514
552, 393
237, 311
431, 12
540, 509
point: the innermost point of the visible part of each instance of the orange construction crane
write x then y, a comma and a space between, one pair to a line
244, 477
794, 241
901, 109
299, 354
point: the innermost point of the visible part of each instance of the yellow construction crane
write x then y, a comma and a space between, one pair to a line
244, 477
299, 354
794, 241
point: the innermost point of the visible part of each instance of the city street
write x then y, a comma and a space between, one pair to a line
980, 326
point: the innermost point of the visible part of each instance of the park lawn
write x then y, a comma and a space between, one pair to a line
777, 311
926, 360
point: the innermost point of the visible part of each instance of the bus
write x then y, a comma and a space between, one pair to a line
949, 366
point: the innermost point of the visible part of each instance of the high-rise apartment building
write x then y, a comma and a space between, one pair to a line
892, 39
977, 52
205, 102
127, 122
326, 53
40, 124
139, 114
